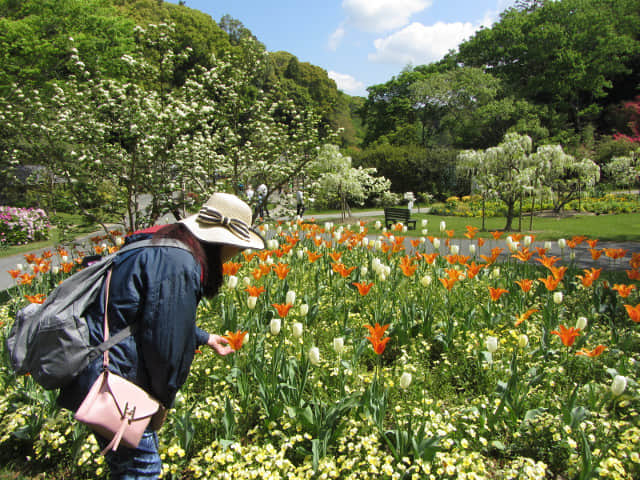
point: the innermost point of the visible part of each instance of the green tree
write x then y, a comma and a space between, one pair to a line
563, 54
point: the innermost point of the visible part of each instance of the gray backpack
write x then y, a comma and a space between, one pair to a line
51, 340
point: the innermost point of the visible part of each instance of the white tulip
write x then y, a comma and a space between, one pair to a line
425, 231
582, 323
454, 249
527, 240
443, 226
557, 298
492, 344
619, 385
472, 249
338, 345
251, 302
547, 245
523, 341
436, 243
424, 222
562, 243
296, 329
290, 297
314, 355
426, 280
274, 326
304, 309
232, 282
378, 224
363, 271
405, 380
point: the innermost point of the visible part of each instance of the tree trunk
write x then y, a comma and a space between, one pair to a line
510, 205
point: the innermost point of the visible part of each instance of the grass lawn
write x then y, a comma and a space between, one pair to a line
624, 227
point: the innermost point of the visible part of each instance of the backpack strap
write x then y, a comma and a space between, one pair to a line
110, 341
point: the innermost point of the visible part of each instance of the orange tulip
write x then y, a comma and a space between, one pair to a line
282, 270
523, 255
578, 239
407, 266
496, 293
525, 315
67, 267
37, 298
14, 273
235, 339
595, 254
558, 272
525, 284
363, 288
480, 242
415, 243
615, 253
282, 308
496, 235
593, 242
448, 282
635, 261
547, 261
335, 256
376, 333
592, 353
313, 256
471, 232
550, 282
254, 291
590, 276
25, 279
472, 269
429, 257
633, 274
634, 312
623, 290
230, 268
567, 335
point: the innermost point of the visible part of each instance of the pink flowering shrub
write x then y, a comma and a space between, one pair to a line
22, 225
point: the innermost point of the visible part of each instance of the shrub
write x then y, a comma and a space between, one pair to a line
22, 225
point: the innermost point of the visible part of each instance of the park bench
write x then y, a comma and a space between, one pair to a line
394, 215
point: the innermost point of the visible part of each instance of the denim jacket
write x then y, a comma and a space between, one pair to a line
159, 288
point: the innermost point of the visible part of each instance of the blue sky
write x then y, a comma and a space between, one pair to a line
360, 42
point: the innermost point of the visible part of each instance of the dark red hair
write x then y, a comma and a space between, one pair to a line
207, 255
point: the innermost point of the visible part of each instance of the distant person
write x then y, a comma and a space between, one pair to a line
262, 209
249, 193
299, 203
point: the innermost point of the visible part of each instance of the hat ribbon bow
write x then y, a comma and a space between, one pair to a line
211, 216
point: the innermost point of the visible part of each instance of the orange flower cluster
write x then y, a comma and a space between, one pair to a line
282, 308
342, 269
590, 276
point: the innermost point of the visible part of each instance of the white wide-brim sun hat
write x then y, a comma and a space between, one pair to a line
225, 219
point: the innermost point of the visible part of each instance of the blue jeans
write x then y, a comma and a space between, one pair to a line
142, 463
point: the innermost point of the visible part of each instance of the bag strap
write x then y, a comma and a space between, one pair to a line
105, 353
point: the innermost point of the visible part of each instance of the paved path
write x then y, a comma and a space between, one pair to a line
582, 255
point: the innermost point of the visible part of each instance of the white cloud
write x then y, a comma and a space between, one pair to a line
335, 38
418, 44
347, 83
382, 15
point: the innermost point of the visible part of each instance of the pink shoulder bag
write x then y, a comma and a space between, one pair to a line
116, 408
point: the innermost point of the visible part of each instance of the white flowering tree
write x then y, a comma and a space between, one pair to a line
110, 142
504, 171
624, 171
339, 184
563, 175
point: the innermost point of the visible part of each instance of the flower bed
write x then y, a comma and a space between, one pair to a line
19, 226
384, 358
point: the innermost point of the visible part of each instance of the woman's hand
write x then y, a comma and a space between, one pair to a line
219, 344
